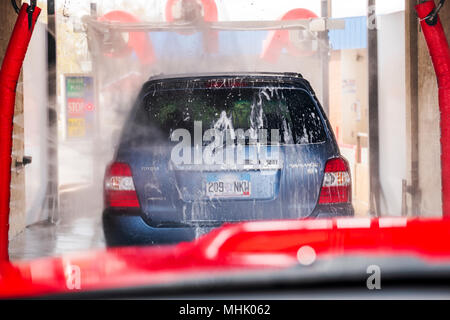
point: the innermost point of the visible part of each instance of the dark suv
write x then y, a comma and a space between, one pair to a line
201, 150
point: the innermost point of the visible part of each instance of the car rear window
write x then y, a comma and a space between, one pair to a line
290, 111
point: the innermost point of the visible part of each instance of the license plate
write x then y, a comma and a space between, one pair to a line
228, 185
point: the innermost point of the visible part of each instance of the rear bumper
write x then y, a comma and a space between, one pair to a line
127, 228
324, 211
124, 227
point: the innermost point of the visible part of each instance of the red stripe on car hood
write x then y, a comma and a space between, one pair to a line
251, 245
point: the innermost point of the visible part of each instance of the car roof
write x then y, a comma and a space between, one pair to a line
286, 75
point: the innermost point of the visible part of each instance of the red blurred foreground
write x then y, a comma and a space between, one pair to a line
232, 248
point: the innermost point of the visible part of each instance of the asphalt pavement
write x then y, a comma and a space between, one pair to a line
78, 228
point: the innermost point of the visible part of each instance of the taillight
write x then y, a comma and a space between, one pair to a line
119, 186
337, 184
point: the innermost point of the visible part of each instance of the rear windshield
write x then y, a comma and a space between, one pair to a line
281, 115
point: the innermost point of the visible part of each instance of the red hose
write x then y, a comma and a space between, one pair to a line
9, 75
440, 55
